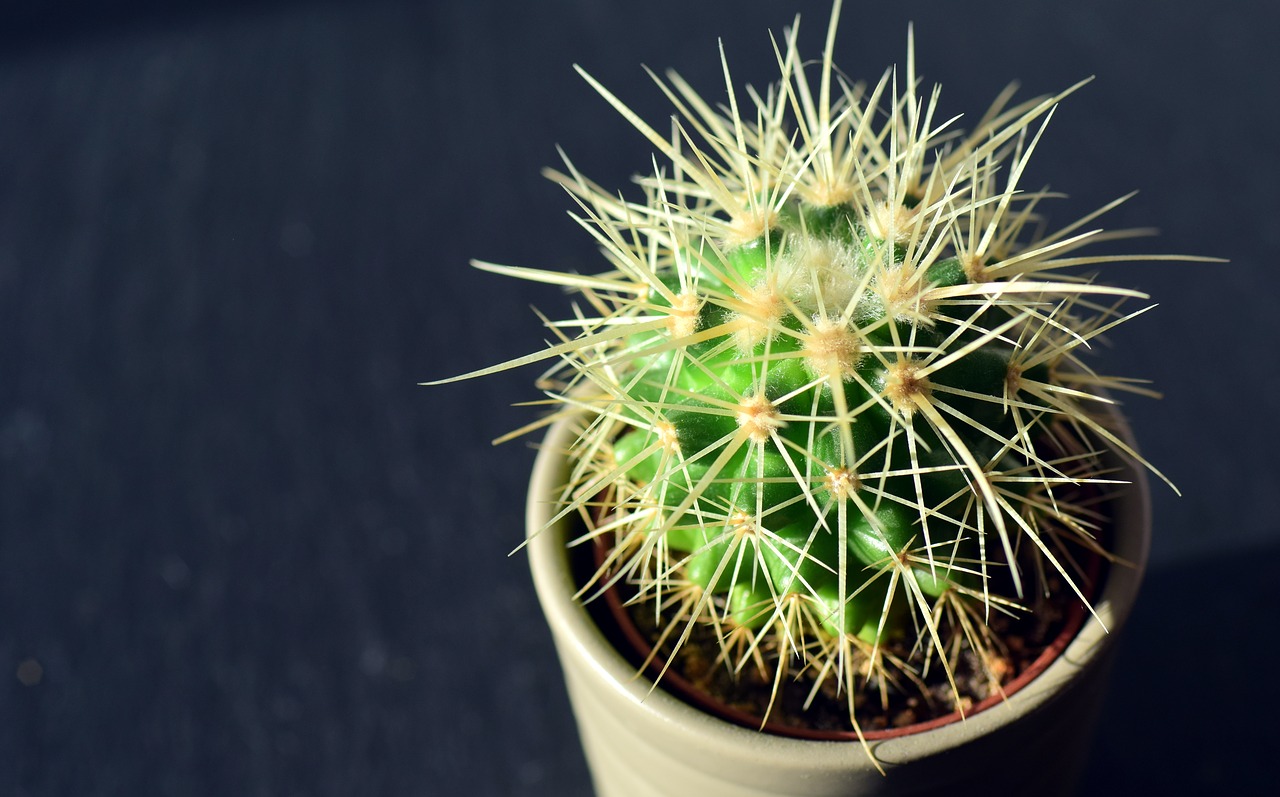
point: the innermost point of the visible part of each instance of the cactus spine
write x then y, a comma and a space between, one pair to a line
829, 385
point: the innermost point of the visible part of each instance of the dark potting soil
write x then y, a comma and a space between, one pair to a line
926, 698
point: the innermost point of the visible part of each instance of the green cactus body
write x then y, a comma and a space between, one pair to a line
797, 396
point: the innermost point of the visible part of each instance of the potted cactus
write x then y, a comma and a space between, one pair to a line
824, 423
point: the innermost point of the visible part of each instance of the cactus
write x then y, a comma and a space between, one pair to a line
830, 387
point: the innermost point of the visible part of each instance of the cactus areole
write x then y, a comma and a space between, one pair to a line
830, 388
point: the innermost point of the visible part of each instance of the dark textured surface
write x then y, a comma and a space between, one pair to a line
242, 553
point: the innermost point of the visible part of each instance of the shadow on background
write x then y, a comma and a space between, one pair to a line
1193, 697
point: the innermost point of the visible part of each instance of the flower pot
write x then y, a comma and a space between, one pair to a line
640, 740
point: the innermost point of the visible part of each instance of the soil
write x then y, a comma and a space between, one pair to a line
694, 674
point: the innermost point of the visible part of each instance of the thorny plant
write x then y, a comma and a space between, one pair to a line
829, 390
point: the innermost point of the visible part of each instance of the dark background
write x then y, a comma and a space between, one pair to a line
241, 552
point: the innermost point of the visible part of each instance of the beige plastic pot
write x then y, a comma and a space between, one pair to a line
641, 741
